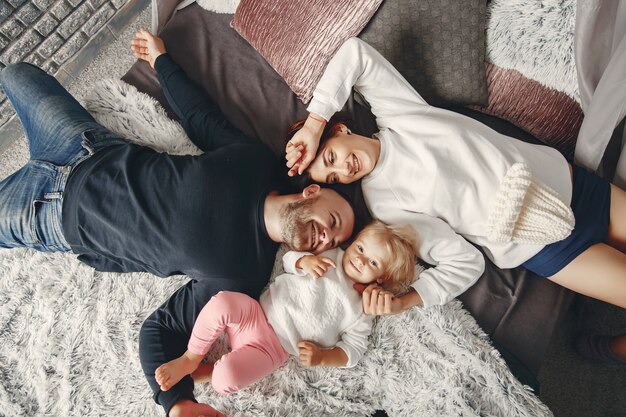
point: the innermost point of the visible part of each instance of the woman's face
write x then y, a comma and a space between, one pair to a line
344, 158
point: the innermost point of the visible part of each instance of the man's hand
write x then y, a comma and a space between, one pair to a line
315, 266
302, 148
188, 408
378, 301
147, 46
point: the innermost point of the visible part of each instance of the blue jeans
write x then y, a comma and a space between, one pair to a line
61, 134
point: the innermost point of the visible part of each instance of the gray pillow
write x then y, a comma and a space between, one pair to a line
437, 45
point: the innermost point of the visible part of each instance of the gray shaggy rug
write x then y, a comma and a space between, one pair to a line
68, 335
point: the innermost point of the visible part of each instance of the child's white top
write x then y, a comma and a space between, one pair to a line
326, 310
438, 170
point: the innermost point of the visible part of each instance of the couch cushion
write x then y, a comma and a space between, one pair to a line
438, 46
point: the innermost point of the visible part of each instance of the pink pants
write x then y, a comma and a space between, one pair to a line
255, 349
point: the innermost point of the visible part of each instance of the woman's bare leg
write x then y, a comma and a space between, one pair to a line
599, 272
617, 224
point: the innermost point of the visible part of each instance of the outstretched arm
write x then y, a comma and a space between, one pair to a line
457, 264
303, 263
355, 65
200, 116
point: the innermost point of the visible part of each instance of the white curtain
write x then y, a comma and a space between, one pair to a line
164, 10
600, 53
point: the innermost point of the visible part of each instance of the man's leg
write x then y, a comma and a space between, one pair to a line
54, 124
53, 120
27, 217
256, 350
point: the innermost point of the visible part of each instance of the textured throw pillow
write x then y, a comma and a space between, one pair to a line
299, 37
531, 72
548, 114
437, 45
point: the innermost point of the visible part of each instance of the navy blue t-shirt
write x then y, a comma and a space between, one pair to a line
129, 208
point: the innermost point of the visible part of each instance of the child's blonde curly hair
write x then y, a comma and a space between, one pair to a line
401, 242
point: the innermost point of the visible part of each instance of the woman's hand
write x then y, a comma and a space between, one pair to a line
302, 147
147, 46
315, 266
380, 302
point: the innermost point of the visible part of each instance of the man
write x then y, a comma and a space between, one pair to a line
217, 217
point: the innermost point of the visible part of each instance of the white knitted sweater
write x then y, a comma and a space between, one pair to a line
327, 310
438, 170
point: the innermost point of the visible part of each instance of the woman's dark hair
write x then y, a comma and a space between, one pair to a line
330, 129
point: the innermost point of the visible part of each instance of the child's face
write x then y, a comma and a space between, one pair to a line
344, 158
365, 259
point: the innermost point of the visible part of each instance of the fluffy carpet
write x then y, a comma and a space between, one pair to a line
68, 335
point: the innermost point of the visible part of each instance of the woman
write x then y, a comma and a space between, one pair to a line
447, 174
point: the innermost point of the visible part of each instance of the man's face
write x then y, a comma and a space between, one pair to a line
317, 222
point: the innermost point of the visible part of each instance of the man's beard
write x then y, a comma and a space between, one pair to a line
296, 224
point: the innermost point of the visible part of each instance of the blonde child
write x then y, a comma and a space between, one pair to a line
312, 311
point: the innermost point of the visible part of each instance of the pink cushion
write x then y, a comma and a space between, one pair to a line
299, 37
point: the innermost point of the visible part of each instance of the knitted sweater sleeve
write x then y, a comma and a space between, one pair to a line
291, 257
356, 64
457, 264
289, 262
354, 340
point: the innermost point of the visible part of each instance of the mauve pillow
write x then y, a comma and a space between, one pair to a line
437, 45
298, 38
548, 114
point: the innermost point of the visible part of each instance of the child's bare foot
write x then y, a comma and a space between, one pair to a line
203, 373
168, 374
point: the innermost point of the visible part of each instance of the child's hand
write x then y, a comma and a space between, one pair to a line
377, 301
310, 354
316, 266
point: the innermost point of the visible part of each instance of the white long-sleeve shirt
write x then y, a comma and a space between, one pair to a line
438, 170
326, 310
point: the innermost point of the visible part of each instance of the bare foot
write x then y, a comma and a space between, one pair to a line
187, 408
168, 374
203, 373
